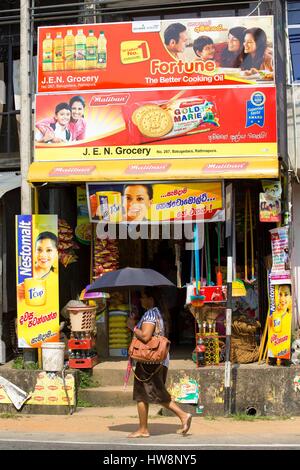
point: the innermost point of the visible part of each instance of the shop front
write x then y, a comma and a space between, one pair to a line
190, 130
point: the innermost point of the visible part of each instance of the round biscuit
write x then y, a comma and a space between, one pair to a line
155, 123
138, 112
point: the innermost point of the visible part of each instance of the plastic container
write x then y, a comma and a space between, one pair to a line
53, 356
82, 318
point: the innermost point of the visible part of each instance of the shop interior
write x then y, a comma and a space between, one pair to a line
79, 265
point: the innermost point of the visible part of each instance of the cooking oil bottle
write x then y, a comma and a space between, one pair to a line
69, 47
102, 51
80, 50
91, 50
58, 52
47, 61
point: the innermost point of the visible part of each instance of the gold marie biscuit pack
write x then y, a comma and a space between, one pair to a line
155, 122
168, 119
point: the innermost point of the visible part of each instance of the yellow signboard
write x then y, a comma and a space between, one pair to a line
149, 203
280, 321
37, 280
155, 170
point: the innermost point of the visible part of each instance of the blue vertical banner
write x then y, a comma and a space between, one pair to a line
255, 110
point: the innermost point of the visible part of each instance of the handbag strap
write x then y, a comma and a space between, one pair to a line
158, 327
150, 375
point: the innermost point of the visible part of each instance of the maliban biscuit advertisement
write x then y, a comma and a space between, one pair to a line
165, 124
182, 52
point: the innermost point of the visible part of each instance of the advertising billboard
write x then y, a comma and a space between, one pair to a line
37, 280
154, 203
155, 124
184, 52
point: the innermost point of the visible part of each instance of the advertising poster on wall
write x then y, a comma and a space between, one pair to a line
281, 270
270, 201
37, 280
153, 203
280, 321
141, 54
164, 124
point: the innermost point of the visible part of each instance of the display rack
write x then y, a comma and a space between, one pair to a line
84, 352
212, 340
81, 345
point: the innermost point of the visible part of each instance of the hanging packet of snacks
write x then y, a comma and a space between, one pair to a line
106, 256
66, 243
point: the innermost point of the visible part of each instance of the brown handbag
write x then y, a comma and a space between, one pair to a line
154, 351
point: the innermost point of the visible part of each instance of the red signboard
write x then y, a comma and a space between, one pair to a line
182, 53
163, 124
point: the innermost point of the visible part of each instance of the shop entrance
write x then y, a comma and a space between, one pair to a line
170, 257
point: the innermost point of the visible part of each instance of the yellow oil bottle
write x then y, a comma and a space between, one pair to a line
58, 52
47, 61
80, 50
102, 51
69, 48
91, 51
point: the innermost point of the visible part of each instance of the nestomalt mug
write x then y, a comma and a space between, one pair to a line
35, 291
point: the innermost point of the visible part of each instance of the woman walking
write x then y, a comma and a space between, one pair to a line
149, 381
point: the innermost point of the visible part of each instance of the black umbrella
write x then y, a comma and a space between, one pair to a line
129, 277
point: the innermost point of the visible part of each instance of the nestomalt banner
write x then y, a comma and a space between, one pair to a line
164, 124
153, 203
37, 280
184, 52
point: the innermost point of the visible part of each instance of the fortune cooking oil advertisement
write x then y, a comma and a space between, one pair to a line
189, 123
183, 53
154, 203
37, 280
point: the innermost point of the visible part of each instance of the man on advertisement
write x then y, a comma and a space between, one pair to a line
175, 37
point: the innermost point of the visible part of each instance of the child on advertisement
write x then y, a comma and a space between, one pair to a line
58, 130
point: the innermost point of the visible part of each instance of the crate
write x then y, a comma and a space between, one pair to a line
81, 343
87, 363
82, 318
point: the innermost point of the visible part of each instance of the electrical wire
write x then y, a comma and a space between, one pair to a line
257, 6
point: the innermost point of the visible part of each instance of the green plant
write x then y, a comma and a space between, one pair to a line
9, 416
245, 417
82, 403
20, 364
86, 381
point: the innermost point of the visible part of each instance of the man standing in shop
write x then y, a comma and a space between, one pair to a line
175, 37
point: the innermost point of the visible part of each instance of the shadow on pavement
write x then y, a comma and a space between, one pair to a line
154, 429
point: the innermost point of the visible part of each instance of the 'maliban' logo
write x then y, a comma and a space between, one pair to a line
24, 247
109, 99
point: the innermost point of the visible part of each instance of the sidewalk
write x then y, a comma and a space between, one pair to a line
112, 425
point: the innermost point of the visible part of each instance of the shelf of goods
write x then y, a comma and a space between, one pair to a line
210, 350
119, 334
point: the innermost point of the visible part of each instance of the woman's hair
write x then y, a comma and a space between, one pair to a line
50, 235
77, 98
234, 58
159, 302
201, 42
148, 188
260, 39
61, 106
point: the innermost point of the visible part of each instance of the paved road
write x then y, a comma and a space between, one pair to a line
79, 442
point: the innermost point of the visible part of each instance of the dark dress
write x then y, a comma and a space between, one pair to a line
153, 390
